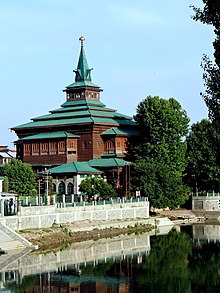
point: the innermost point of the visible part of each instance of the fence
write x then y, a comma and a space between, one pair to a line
72, 200
208, 194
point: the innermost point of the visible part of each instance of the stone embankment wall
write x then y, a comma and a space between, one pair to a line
45, 216
206, 203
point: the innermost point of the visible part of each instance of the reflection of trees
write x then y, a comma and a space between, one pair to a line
28, 283
173, 265
204, 264
165, 269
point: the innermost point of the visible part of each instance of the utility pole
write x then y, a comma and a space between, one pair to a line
39, 181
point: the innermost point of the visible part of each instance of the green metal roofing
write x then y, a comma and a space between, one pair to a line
113, 121
120, 132
84, 120
80, 84
46, 135
118, 155
76, 168
108, 162
82, 102
45, 123
81, 108
80, 114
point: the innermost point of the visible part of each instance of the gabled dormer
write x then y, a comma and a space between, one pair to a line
83, 88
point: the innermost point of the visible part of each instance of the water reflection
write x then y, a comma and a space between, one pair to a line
185, 261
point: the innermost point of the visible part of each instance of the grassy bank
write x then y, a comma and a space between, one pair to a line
55, 238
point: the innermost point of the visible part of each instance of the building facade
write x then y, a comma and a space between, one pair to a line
6, 155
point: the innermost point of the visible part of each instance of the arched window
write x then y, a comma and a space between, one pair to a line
109, 146
70, 188
61, 147
61, 188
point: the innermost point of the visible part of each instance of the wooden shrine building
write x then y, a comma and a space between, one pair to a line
82, 129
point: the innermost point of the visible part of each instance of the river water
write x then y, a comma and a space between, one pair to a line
186, 259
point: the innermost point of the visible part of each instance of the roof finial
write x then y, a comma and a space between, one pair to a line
81, 39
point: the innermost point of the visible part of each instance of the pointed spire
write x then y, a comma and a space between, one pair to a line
83, 72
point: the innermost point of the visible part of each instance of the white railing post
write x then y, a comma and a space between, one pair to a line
54, 199
64, 200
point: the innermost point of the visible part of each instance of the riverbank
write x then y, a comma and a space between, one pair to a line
56, 238
61, 235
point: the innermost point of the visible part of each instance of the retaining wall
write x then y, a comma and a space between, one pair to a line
44, 216
206, 203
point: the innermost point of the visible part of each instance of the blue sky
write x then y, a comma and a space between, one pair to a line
137, 48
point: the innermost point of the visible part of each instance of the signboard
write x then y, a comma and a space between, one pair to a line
138, 193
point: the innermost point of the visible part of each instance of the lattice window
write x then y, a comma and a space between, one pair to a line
44, 148
109, 147
53, 148
27, 149
61, 147
35, 149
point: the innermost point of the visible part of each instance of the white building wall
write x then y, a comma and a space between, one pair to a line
1, 181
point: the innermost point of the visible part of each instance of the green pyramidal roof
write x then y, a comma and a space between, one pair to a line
75, 167
83, 72
108, 162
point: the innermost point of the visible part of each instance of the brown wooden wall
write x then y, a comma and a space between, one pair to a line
89, 145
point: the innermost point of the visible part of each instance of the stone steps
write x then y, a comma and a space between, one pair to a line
11, 245
11, 257
10, 240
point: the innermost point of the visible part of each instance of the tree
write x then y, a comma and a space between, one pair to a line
97, 187
203, 169
21, 177
210, 15
159, 152
157, 181
5, 184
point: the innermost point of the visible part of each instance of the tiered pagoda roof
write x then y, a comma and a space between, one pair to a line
82, 106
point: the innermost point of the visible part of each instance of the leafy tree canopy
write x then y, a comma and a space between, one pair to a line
159, 153
210, 14
21, 177
96, 186
203, 168
162, 185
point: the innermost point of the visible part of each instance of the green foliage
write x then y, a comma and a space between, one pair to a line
96, 187
159, 152
210, 14
5, 184
203, 168
161, 184
21, 178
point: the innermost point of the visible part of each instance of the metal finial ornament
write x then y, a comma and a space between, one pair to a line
81, 39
